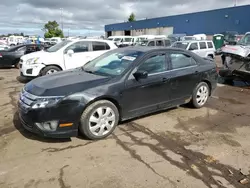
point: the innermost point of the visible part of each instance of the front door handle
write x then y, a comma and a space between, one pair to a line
196, 72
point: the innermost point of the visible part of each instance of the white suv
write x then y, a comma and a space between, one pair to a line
203, 48
65, 55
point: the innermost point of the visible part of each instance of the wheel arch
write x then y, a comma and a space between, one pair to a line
110, 99
51, 65
209, 85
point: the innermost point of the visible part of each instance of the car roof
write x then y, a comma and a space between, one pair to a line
195, 41
146, 49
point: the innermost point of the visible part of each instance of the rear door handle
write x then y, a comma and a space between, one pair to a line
164, 79
196, 72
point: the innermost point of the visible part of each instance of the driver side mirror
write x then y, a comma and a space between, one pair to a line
140, 75
70, 52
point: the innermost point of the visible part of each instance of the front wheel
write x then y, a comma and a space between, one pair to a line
200, 95
99, 120
50, 70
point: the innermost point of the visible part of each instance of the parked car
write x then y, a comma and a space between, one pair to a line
4, 46
157, 42
15, 40
236, 60
142, 39
11, 56
203, 48
176, 37
119, 85
62, 56
121, 41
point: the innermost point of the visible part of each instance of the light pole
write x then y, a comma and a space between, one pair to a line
62, 18
235, 3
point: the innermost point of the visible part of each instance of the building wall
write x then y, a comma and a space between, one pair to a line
208, 22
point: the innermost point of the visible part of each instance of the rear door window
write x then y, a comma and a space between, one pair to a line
159, 43
97, 46
180, 60
203, 45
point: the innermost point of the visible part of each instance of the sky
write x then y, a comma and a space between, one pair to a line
88, 17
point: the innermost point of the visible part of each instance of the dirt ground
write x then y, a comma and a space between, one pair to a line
181, 147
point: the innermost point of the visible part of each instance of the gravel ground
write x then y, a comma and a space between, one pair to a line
181, 147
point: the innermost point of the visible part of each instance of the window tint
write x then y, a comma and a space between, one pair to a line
154, 64
99, 46
179, 60
203, 45
152, 43
193, 46
167, 43
209, 44
79, 47
159, 43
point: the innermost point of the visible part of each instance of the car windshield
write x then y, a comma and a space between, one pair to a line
58, 46
112, 63
245, 41
117, 39
182, 45
110, 39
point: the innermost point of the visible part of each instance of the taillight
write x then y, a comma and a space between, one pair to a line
1, 55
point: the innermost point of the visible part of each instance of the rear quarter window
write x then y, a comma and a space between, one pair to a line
210, 44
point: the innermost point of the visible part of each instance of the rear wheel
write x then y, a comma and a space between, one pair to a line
50, 70
200, 95
99, 120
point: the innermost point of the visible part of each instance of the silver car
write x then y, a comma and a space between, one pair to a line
203, 48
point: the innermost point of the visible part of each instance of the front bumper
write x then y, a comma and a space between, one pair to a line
30, 70
69, 113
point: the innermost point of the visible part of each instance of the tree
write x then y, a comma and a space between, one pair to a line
52, 29
131, 17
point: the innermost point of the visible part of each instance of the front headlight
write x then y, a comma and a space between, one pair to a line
32, 61
45, 102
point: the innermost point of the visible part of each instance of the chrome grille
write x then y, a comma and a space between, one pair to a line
26, 99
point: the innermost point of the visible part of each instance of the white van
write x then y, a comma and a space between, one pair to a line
65, 55
15, 40
142, 38
121, 40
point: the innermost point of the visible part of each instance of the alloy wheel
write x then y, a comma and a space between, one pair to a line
101, 121
51, 71
202, 95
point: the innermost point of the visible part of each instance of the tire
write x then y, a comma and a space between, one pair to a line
203, 89
101, 131
16, 64
50, 70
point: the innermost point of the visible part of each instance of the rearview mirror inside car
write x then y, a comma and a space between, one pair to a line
70, 52
140, 75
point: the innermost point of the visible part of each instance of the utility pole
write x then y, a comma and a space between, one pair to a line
235, 3
62, 18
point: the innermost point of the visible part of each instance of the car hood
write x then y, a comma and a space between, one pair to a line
64, 83
40, 54
240, 50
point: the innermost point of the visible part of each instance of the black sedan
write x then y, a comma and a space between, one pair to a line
11, 56
121, 84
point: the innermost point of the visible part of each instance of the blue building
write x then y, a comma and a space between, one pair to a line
207, 22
